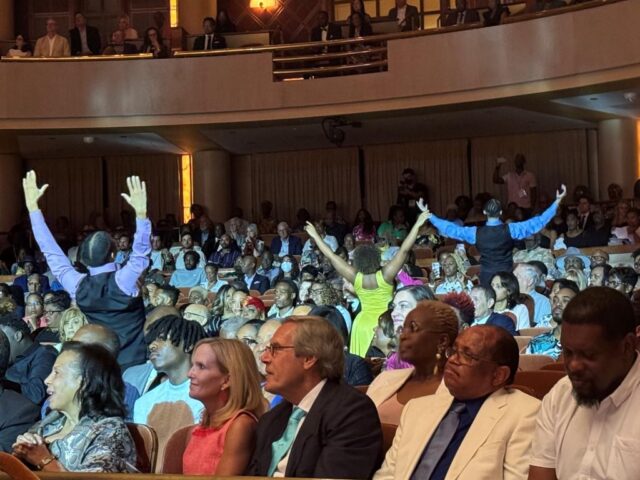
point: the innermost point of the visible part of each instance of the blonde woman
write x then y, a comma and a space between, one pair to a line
225, 378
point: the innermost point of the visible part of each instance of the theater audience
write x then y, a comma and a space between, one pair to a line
439, 435
267, 223
34, 309
289, 270
210, 40
358, 27
325, 30
153, 43
549, 343
226, 254
406, 16
197, 313
364, 229
192, 275
588, 421
599, 275
29, 362
578, 277
429, 330
124, 25
124, 249
54, 307
29, 267
622, 279
286, 294
224, 377
212, 283
165, 295
266, 267
484, 299
52, 44
322, 428
358, 6
85, 431
323, 294
167, 407
198, 296
454, 279
528, 280
106, 296
85, 39
461, 15
395, 229
252, 279
17, 413
221, 309
522, 186
535, 252
328, 239
118, 46
505, 286
285, 243
373, 285
22, 48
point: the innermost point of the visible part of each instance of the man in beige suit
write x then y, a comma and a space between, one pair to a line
52, 44
479, 430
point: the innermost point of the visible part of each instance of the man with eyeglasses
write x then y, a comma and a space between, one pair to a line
323, 428
623, 279
479, 428
54, 305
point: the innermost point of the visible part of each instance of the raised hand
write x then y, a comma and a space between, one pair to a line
137, 196
560, 194
311, 230
422, 206
32, 193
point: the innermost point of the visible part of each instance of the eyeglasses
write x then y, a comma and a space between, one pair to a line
274, 348
464, 357
49, 312
249, 341
614, 284
316, 290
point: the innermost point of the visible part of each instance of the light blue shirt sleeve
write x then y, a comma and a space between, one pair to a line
127, 276
520, 230
451, 230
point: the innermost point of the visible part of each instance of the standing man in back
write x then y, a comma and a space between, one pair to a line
522, 186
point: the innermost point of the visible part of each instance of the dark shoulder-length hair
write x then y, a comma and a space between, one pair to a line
510, 283
26, 46
147, 43
101, 392
367, 225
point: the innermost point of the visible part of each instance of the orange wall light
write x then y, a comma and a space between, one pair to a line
173, 13
186, 186
264, 4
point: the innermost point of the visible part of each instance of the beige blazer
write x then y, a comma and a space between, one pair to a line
497, 446
60, 47
387, 384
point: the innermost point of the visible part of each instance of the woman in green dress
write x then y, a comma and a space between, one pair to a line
373, 285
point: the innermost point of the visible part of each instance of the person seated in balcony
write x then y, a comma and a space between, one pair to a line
52, 44
495, 14
117, 45
461, 15
210, 40
224, 24
406, 15
325, 31
124, 25
85, 40
154, 44
359, 27
357, 6
22, 48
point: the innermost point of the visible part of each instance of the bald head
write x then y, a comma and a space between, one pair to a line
159, 312
98, 335
267, 330
196, 313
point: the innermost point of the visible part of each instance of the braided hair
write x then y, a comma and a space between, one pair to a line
182, 333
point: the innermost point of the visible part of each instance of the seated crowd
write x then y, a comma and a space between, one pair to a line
244, 354
85, 40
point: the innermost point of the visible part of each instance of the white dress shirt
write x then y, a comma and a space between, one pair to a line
305, 404
401, 14
328, 239
83, 42
593, 443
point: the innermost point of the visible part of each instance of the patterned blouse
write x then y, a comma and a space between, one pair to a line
94, 445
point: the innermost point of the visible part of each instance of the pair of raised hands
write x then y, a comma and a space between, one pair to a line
137, 196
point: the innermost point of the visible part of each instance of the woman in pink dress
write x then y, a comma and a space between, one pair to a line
224, 377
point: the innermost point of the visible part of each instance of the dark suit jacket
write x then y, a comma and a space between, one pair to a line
340, 437
451, 18
17, 415
334, 33
411, 18
260, 283
295, 246
218, 42
503, 321
93, 41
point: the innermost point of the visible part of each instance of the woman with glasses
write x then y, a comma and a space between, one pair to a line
372, 284
154, 44
428, 332
225, 378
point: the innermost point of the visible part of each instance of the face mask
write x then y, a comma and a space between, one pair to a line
286, 267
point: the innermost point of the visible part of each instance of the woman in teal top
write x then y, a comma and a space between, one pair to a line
394, 230
373, 285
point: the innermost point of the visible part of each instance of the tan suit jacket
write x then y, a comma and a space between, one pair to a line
60, 47
387, 384
497, 445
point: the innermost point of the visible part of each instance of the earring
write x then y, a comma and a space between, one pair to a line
436, 368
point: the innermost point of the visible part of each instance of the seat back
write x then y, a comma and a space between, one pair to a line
540, 381
522, 341
532, 332
388, 432
556, 366
13, 467
528, 302
172, 461
146, 442
534, 362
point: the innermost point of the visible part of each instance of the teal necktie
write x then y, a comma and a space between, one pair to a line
280, 447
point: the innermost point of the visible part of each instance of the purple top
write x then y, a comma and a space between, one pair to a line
126, 277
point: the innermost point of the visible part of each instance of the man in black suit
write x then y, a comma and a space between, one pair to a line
407, 16
85, 40
323, 428
210, 40
285, 243
585, 218
325, 30
251, 278
461, 15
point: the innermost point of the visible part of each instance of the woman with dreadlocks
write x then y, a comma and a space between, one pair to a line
167, 406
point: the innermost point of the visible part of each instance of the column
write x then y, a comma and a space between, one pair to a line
212, 183
6, 20
11, 195
617, 155
191, 13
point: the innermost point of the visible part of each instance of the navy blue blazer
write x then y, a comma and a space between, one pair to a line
295, 246
260, 283
503, 321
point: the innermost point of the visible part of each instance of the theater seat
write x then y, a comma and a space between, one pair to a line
557, 367
146, 442
16, 470
534, 362
172, 461
532, 332
540, 381
522, 341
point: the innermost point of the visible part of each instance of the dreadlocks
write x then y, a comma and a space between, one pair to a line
181, 333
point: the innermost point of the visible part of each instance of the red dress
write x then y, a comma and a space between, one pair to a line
205, 447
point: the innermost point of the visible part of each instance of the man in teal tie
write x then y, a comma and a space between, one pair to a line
323, 428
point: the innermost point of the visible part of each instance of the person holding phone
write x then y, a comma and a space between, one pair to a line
522, 187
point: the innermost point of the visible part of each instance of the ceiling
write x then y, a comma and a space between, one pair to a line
577, 109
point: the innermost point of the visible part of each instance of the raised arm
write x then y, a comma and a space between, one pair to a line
520, 230
343, 268
127, 277
56, 259
391, 269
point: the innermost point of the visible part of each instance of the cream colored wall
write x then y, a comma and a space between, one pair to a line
211, 185
617, 155
11, 196
191, 13
537, 56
